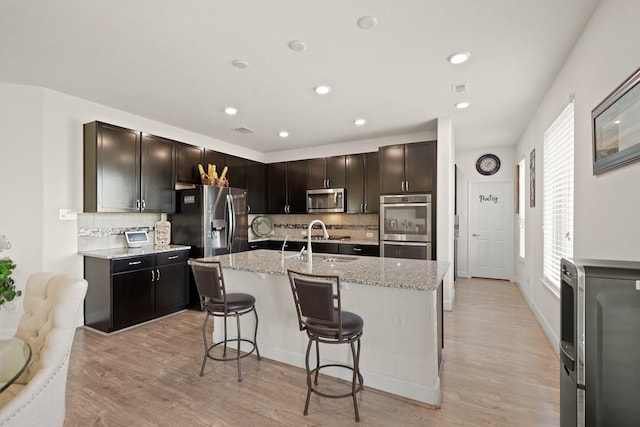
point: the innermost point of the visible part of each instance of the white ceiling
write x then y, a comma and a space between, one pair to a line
171, 61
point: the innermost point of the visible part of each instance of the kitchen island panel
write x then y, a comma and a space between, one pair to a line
400, 341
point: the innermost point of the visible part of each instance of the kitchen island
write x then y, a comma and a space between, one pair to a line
400, 301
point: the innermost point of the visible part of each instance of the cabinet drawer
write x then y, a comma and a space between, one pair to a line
130, 264
362, 250
173, 257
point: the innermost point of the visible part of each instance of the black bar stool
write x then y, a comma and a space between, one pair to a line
317, 301
218, 303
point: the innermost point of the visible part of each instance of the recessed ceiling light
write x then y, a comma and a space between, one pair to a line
231, 111
462, 105
367, 22
322, 89
283, 134
297, 45
459, 57
359, 122
239, 64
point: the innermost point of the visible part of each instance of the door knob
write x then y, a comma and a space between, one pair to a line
475, 235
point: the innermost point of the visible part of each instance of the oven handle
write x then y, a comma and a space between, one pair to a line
406, 205
399, 243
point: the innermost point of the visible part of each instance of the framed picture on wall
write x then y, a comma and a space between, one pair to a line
532, 178
616, 127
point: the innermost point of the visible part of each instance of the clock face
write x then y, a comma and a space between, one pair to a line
488, 164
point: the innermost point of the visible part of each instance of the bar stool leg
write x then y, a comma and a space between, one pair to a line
315, 381
255, 334
224, 346
206, 344
309, 386
356, 376
238, 350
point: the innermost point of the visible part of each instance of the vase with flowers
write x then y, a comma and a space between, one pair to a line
7, 286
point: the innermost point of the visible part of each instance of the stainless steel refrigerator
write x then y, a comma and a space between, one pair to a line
599, 343
212, 220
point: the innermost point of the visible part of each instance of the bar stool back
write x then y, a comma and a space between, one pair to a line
319, 309
218, 303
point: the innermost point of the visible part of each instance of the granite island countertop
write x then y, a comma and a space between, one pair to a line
115, 253
399, 273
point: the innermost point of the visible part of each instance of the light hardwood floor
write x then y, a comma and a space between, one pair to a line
499, 370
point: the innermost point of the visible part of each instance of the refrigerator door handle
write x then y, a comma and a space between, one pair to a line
232, 225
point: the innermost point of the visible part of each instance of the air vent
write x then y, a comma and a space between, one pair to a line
244, 131
459, 88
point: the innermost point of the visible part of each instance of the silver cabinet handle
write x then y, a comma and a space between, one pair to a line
153, 276
144, 205
138, 204
357, 249
174, 257
402, 185
135, 262
157, 274
366, 208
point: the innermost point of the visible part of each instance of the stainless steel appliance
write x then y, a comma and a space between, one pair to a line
212, 220
405, 226
326, 200
599, 343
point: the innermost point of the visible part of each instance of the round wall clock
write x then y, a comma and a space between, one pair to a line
488, 164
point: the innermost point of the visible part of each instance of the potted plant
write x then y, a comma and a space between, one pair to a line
7, 286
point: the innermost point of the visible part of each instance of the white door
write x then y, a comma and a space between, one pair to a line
491, 229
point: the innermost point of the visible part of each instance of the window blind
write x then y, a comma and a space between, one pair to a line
521, 208
557, 193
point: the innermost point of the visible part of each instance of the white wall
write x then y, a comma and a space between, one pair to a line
466, 163
606, 207
445, 205
41, 173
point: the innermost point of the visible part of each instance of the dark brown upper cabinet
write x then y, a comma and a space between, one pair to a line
187, 163
287, 183
256, 187
217, 158
127, 171
363, 193
408, 168
327, 172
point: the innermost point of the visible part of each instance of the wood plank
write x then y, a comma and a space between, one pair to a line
498, 370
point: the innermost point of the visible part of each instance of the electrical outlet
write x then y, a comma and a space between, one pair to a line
303, 232
369, 234
67, 215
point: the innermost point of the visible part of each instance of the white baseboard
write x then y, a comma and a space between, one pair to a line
554, 340
463, 274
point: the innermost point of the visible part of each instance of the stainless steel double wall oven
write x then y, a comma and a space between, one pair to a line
405, 226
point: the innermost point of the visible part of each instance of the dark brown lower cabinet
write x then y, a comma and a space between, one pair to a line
126, 291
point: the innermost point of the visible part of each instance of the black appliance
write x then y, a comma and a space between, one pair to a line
599, 343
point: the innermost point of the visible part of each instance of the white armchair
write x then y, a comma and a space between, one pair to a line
52, 305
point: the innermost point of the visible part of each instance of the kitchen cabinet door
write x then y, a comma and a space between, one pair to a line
317, 173
391, 166
372, 183
256, 187
111, 168
325, 247
237, 174
420, 167
187, 163
360, 250
336, 172
355, 183
171, 282
133, 298
297, 186
158, 174
277, 193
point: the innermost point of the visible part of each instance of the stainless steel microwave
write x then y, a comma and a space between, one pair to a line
326, 200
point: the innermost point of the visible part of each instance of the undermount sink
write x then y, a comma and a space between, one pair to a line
323, 258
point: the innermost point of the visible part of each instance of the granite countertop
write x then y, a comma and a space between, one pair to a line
129, 252
330, 240
388, 272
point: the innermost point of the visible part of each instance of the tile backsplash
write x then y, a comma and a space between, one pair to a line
361, 227
106, 230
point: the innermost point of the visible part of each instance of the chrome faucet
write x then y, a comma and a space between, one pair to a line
326, 235
284, 244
